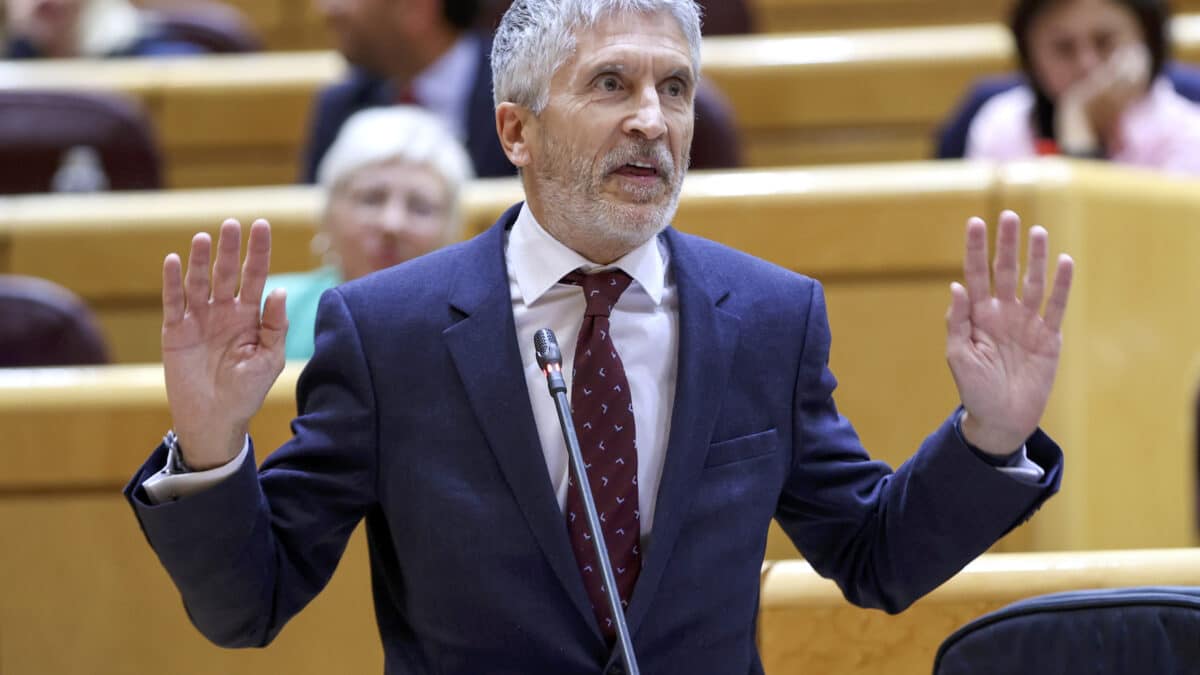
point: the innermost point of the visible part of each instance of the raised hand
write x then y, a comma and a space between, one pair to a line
220, 356
1003, 352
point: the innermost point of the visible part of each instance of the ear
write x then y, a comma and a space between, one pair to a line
513, 126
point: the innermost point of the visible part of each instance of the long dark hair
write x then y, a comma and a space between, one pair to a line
1152, 16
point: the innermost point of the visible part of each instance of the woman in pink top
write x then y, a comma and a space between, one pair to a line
1095, 89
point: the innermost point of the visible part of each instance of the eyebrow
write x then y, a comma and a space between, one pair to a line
682, 72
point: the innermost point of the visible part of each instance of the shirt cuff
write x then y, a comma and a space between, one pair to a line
170, 484
1016, 464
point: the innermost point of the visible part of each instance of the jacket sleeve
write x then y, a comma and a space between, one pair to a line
252, 551
885, 537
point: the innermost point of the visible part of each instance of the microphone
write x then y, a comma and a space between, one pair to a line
549, 359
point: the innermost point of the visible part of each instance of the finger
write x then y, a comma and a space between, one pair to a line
1034, 289
173, 298
975, 266
1056, 308
196, 284
258, 263
225, 271
274, 320
958, 316
1008, 234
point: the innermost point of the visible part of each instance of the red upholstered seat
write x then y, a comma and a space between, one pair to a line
37, 128
44, 324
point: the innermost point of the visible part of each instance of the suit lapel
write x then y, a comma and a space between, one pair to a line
484, 348
707, 340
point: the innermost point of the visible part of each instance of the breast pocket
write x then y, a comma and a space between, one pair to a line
742, 448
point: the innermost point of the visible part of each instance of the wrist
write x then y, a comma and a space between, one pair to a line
994, 442
193, 454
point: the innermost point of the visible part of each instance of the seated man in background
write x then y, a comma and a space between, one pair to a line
431, 53
1094, 87
62, 29
392, 181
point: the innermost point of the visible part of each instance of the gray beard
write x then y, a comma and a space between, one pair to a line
573, 186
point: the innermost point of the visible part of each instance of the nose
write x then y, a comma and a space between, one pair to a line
648, 120
393, 218
1087, 59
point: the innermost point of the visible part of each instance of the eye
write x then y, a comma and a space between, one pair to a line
675, 88
609, 83
373, 198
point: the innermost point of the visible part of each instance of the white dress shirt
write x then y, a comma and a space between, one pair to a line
644, 329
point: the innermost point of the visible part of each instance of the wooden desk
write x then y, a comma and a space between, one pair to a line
80, 585
290, 25
886, 242
811, 98
220, 120
782, 16
806, 626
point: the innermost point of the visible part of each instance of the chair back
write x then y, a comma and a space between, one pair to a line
1120, 631
39, 129
44, 324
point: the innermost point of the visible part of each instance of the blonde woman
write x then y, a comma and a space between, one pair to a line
392, 181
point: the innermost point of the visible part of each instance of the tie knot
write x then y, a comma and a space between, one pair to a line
601, 289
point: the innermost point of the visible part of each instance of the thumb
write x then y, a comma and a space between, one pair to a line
273, 331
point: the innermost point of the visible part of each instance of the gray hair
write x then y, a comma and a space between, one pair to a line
406, 133
536, 37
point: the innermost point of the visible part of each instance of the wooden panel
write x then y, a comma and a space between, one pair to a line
806, 626
839, 221
856, 96
83, 593
1125, 391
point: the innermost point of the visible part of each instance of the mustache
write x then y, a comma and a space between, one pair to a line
652, 153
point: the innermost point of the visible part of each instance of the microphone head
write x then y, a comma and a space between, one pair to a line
545, 345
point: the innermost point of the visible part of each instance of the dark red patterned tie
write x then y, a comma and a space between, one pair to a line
603, 411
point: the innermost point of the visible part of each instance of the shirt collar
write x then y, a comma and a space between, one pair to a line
538, 261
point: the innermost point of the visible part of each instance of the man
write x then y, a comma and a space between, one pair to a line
430, 53
701, 393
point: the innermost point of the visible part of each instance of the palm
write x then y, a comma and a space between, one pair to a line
1002, 352
219, 356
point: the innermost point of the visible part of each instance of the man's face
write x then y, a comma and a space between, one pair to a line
608, 153
370, 32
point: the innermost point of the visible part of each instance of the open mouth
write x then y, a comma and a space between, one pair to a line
638, 170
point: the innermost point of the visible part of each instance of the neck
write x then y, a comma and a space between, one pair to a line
584, 241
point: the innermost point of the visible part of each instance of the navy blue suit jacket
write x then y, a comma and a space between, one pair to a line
414, 414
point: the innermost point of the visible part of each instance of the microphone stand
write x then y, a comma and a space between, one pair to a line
549, 359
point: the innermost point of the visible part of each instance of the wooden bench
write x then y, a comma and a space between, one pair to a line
886, 242
287, 25
857, 96
82, 589
780, 16
806, 626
